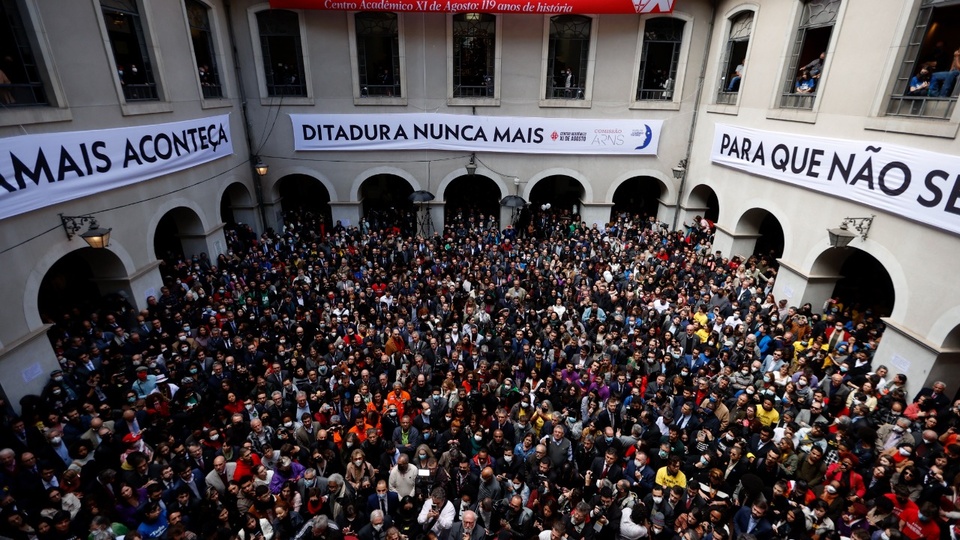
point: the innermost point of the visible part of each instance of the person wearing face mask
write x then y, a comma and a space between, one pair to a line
920, 523
380, 522
403, 477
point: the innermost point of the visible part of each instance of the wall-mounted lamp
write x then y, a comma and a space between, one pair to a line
842, 236
472, 166
260, 166
680, 169
95, 237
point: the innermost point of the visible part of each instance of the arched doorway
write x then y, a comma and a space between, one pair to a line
470, 197
304, 199
237, 206
386, 203
553, 200
81, 282
768, 231
704, 199
176, 234
864, 284
638, 196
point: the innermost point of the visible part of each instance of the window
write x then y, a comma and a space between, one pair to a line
282, 53
659, 58
198, 15
129, 46
20, 82
926, 83
474, 55
568, 56
378, 54
733, 68
805, 68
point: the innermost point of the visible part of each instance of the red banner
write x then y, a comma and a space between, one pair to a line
535, 7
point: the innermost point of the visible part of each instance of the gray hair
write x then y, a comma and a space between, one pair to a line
321, 522
376, 514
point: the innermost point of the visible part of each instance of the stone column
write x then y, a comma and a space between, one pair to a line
26, 364
904, 351
799, 287
347, 213
598, 213
730, 243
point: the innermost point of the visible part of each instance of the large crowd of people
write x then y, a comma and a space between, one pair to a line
559, 382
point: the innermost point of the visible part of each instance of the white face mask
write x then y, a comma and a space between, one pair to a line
657, 500
358, 462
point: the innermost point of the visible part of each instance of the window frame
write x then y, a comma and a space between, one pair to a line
787, 98
57, 108
478, 101
906, 67
672, 103
358, 97
586, 84
217, 53
721, 95
150, 39
265, 98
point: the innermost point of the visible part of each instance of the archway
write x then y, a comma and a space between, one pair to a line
563, 195
865, 284
172, 239
304, 199
80, 282
638, 196
769, 233
704, 198
469, 197
386, 202
236, 205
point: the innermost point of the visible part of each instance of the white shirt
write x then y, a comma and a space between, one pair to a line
444, 521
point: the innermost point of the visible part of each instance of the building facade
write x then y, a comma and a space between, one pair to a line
707, 69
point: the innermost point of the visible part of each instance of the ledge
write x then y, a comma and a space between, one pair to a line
793, 115
566, 103
277, 101
719, 108
913, 126
386, 101
653, 105
473, 102
145, 107
216, 103
19, 116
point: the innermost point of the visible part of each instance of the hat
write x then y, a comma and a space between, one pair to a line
142, 368
130, 438
161, 378
658, 519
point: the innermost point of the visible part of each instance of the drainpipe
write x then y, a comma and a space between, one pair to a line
696, 110
247, 128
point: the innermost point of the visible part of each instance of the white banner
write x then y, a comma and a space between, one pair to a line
475, 134
42, 170
916, 184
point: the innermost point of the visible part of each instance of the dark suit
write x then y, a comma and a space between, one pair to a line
456, 532
393, 503
741, 523
367, 533
614, 473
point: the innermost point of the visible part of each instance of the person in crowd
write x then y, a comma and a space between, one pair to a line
613, 382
